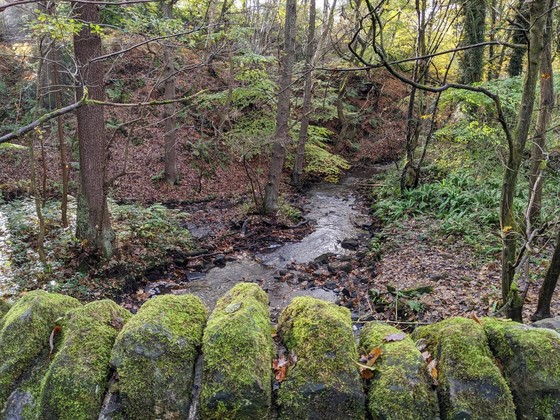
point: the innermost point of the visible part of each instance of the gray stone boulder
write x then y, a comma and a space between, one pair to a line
531, 364
238, 352
155, 354
324, 382
471, 386
400, 387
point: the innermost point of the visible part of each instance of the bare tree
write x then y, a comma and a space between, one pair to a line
282, 135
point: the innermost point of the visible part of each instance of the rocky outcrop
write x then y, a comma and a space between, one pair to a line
63, 360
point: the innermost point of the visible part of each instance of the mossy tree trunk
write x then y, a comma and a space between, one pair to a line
93, 219
549, 285
307, 96
282, 135
510, 232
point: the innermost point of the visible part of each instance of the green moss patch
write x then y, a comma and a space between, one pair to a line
238, 351
77, 378
470, 384
325, 382
24, 343
155, 354
531, 363
400, 388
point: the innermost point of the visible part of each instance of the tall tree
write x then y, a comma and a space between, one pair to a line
171, 173
93, 219
282, 135
307, 95
473, 33
510, 230
519, 36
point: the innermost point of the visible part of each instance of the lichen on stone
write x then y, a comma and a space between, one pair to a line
325, 382
155, 354
531, 364
77, 378
238, 352
400, 388
470, 383
24, 340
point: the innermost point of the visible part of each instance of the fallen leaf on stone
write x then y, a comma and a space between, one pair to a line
373, 356
475, 318
366, 373
395, 337
432, 370
54, 332
231, 308
280, 368
293, 358
427, 356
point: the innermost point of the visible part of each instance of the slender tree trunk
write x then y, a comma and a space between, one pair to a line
93, 219
543, 122
520, 33
549, 284
61, 143
171, 173
282, 135
307, 95
510, 231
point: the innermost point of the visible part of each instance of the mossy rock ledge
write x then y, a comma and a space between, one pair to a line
324, 383
470, 384
531, 364
238, 351
155, 355
25, 350
400, 387
76, 381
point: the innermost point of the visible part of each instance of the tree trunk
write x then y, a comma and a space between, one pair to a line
519, 37
475, 14
171, 173
307, 96
549, 284
93, 220
281, 136
510, 292
543, 122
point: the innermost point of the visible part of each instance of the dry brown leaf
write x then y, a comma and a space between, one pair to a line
366, 373
373, 356
432, 370
427, 356
475, 318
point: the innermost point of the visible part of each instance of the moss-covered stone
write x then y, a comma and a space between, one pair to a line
400, 388
531, 363
470, 384
325, 382
4, 308
77, 378
155, 354
24, 345
238, 351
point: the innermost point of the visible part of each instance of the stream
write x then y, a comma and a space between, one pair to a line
340, 233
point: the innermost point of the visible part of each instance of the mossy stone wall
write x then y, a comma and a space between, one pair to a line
324, 383
76, 381
59, 359
401, 387
238, 352
530, 358
155, 354
470, 384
